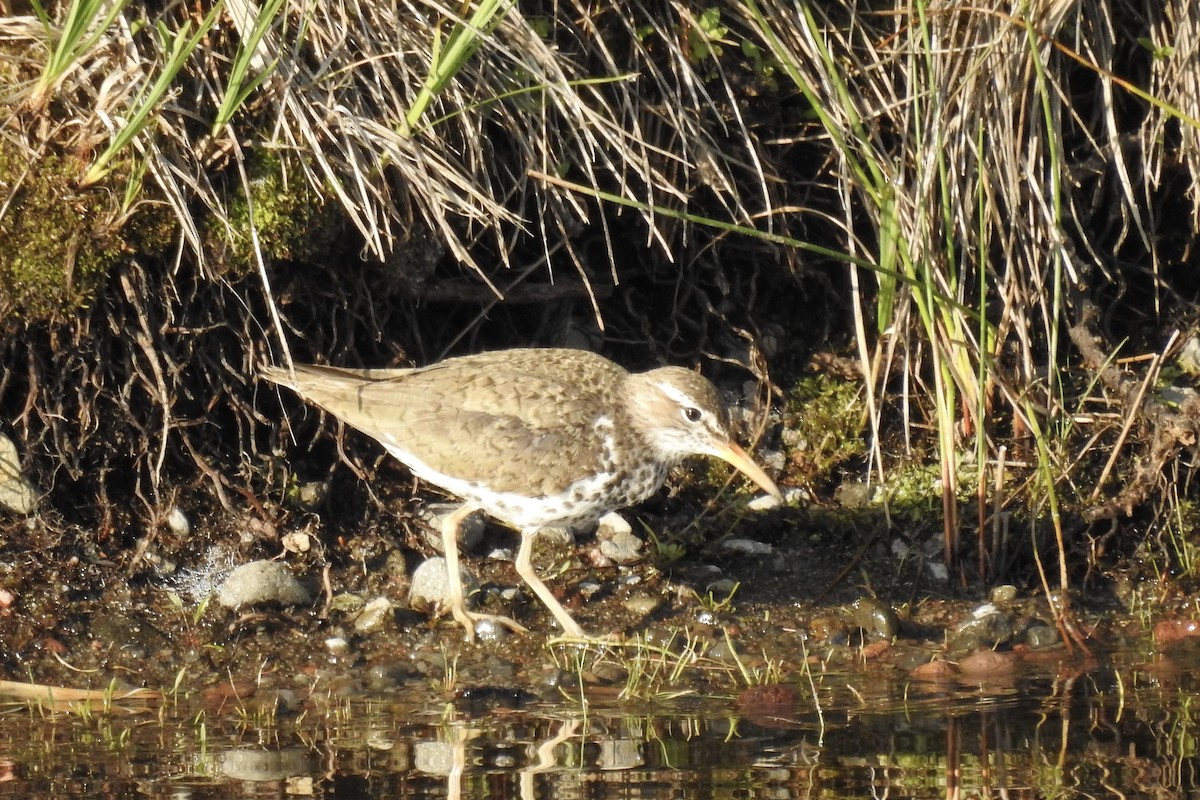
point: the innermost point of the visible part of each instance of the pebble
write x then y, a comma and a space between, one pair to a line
988, 665
178, 522
618, 543
720, 651
747, 547
296, 542
588, 588
1003, 594
764, 502
489, 630
260, 582
796, 496
312, 493
337, 646
375, 616
1173, 630
642, 604
938, 571
721, 588
934, 671
612, 524
1189, 356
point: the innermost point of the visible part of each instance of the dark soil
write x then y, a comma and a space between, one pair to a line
824, 595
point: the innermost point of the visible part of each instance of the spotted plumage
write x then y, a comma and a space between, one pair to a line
533, 437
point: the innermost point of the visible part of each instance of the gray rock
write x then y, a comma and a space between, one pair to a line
747, 547
430, 586
617, 541
260, 582
796, 496
612, 524
1041, 636
337, 646
470, 530
16, 493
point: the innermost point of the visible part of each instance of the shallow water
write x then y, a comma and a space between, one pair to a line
1123, 726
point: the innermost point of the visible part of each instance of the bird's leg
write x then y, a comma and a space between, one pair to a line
525, 570
457, 599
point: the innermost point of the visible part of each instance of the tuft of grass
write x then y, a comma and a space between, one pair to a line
147, 99
449, 55
72, 44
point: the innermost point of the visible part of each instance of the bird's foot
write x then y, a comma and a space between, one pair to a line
469, 619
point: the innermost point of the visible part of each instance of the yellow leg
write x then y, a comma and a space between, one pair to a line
527, 573
457, 599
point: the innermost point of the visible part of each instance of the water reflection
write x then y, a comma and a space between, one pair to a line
1130, 734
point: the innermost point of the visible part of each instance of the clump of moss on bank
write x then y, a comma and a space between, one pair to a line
823, 427
292, 221
59, 241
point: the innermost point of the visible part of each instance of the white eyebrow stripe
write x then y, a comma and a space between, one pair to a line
682, 398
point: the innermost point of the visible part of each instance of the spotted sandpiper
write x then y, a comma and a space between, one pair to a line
533, 437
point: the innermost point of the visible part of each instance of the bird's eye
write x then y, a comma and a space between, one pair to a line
692, 414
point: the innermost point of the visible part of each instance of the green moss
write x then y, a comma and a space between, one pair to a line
59, 242
823, 427
293, 222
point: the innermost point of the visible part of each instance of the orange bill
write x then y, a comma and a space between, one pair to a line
736, 456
